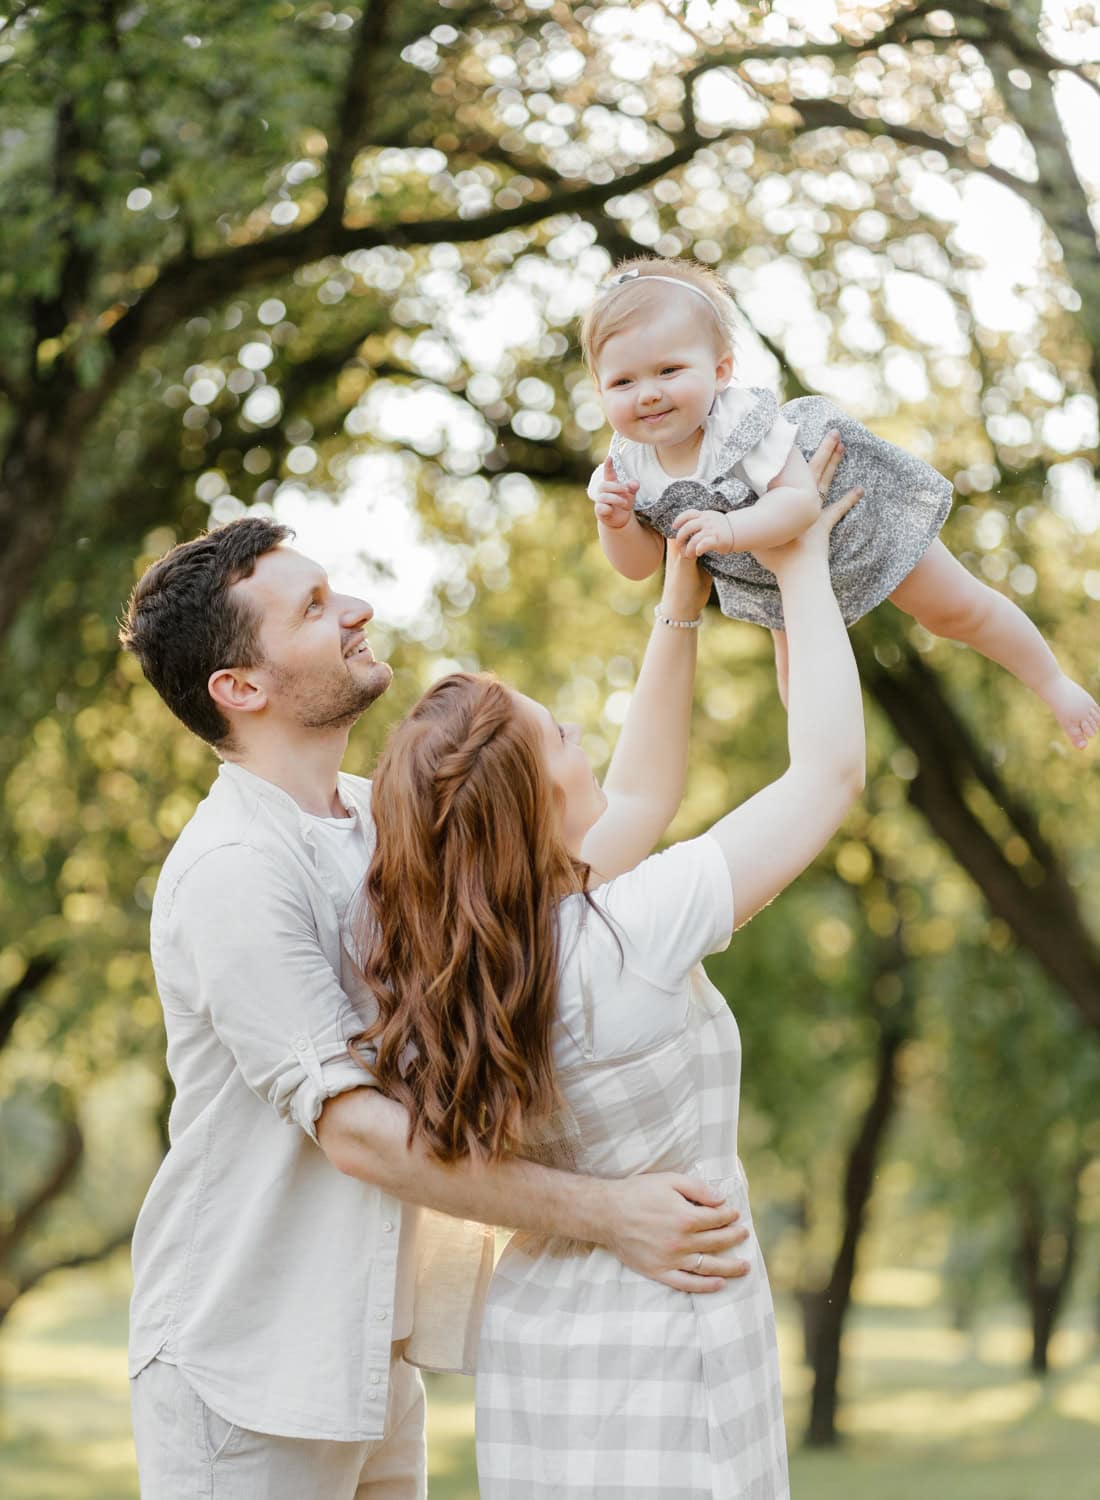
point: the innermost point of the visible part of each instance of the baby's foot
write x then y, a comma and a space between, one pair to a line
1075, 709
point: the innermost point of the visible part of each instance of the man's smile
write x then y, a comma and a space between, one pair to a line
360, 649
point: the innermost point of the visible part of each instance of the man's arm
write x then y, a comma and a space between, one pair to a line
255, 967
656, 1224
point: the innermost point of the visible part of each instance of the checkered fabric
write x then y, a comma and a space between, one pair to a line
594, 1381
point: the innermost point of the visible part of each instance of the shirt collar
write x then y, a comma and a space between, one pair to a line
354, 796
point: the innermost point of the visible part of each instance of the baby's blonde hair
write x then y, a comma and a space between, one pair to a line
623, 302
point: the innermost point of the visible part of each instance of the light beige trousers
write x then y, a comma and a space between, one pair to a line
186, 1451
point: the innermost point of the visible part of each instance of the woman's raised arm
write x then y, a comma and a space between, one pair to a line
771, 838
645, 780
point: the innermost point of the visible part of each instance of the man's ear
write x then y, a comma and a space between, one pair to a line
236, 690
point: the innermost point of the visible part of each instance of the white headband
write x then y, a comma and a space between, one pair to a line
627, 278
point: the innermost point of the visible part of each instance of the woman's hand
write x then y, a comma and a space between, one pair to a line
687, 587
815, 540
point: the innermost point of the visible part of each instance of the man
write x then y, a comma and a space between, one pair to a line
279, 1304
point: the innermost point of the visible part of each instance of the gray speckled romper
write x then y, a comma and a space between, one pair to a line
875, 546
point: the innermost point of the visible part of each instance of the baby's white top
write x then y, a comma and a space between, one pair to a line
757, 468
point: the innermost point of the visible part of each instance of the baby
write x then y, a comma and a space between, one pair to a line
725, 469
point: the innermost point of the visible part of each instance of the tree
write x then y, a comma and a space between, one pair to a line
236, 245
329, 187
890, 999
1020, 1089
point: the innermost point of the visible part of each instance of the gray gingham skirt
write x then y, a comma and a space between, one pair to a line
595, 1382
872, 549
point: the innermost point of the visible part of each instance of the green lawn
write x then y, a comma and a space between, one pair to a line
930, 1415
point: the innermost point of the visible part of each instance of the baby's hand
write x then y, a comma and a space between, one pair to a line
704, 531
614, 500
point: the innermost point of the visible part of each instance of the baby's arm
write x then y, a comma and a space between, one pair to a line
790, 505
633, 550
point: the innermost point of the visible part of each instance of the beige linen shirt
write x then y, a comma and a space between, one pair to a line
263, 1273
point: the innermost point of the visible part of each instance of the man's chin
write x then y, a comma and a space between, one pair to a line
378, 679
373, 682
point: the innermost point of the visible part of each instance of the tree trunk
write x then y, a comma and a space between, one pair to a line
1046, 1276
1060, 196
1036, 899
35, 475
825, 1310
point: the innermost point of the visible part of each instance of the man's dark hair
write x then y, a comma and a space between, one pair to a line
182, 623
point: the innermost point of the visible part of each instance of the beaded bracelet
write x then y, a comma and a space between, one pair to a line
676, 624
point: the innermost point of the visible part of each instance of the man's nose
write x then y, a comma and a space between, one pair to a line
357, 612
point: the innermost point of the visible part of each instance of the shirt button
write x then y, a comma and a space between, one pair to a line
373, 1395
375, 1379
381, 1316
300, 1044
388, 1227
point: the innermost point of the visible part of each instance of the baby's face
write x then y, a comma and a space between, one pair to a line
658, 379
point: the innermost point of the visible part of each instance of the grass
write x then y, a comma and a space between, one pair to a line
928, 1412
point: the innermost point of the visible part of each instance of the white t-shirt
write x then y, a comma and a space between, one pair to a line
666, 914
757, 468
347, 848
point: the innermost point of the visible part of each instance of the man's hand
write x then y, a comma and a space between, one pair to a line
660, 1223
614, 500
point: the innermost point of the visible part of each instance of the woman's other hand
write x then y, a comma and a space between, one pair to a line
687, 587
815, 539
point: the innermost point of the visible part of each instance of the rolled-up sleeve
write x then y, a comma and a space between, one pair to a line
250, 958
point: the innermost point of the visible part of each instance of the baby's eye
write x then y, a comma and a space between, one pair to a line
622, 380
561, 733
670, 369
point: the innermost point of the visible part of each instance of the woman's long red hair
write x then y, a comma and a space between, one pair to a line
460, 936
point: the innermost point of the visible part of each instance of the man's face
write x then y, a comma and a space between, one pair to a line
318, 670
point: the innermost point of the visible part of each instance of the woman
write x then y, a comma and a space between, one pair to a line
539, 991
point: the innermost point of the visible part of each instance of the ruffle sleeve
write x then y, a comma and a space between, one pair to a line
766, 459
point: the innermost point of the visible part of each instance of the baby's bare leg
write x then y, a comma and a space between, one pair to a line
949, 601
779, 639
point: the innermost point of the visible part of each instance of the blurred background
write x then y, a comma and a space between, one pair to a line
327, 262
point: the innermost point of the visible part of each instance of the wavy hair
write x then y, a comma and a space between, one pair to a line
459, 938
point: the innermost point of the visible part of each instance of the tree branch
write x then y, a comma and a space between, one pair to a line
355, 109
50, 314
55, 1181
894, 31
17, 1286
190, 282
10, 390
34, 977
825, 114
